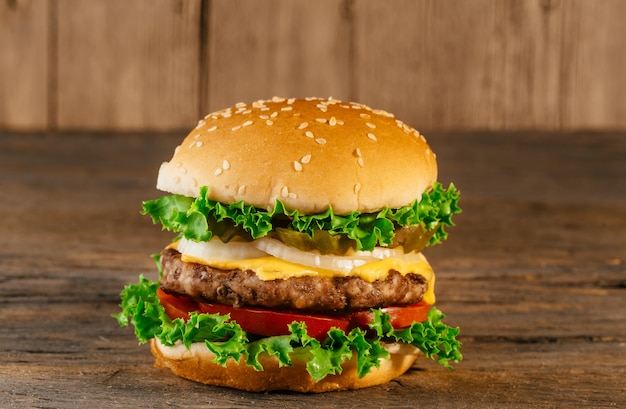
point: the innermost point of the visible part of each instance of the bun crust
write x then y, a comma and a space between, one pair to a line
195, 364
309, 153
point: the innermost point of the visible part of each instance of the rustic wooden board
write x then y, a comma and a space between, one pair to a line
589, 33
492, 64
534, 273
127, 64
260, 49
440, 65
25, 66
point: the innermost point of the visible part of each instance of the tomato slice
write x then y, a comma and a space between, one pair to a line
266, 322
176, 306
272, 322
400, 316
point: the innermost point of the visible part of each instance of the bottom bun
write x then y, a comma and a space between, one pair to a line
196, 364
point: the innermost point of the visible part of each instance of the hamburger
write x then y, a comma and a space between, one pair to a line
297, 262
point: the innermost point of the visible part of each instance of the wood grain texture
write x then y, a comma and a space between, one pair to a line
24, 65
437, 64
261, 49
127, 64
533, 273
493, 64
594, 82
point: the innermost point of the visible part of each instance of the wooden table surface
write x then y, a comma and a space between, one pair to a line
534, 273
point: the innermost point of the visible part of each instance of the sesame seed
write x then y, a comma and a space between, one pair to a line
218, 171
200, 123
199, 144
291, 101
258, 104
372, 136
286, 109
234, 128
320, 120
269, 122
306, 159
340, 122
274, 115
303, 125
241, 105
227, 115
332, 121
309, 134
383, 113
321, 141
370, 125
284, 192
360, 162
211, 129
357, 152
242, 189
366, 116
265, 109
292, 195
246, 112
263, 116
297, 166
278, 99
225, 164
247, 123
357, 188
356, 106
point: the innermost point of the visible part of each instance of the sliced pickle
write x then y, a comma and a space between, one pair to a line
227, 231
413, 238
322, 241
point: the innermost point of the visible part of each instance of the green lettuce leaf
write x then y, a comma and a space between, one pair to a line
141, 308
202, 218
279, 346
227, 340
435, 339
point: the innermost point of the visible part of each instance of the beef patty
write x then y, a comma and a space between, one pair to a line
244, 288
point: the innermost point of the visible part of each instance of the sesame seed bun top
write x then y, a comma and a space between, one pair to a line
309, 153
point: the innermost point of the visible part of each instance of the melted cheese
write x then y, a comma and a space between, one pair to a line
271, 268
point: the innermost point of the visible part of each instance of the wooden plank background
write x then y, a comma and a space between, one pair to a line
437, 64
